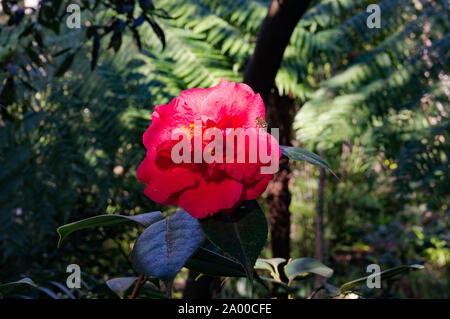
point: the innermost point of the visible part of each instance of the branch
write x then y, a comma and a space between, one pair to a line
273, 37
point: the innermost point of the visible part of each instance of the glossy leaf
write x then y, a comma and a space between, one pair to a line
121, 285
213, 263
107, 220
270, 264
385, 274
65, 65
303, 266
242, 234
7, 286
164, 247
300, 154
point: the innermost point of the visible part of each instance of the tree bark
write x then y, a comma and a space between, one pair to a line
273, 37
281, 109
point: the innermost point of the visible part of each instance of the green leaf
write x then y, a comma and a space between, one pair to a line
107, 220
303, 266
385, 274
65, 65
95, 49
121, 285
4, 288
270, 264
242, 234
210, 262
262, 265
164, 247
300, 154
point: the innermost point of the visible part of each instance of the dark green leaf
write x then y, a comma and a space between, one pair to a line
303, 266
107, 220
61, 52
242, 234
95, 50
300, 154
4, 288
146, 4
164, 247
212, 263
157, 29
385, 274
8, 93
65, 65
116, 39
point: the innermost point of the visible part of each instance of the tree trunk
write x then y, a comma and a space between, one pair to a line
260, 73
280, 115
273, 37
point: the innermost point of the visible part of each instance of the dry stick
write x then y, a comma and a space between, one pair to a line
315, 292
139, 283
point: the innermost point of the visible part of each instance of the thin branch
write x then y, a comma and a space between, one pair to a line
139, 283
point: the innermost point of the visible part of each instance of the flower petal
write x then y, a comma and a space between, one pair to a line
161, 188
209, 198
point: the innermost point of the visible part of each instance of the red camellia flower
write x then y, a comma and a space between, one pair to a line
218, 186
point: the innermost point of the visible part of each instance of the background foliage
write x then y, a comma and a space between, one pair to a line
373, 101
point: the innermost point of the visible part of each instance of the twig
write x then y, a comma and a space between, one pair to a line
315, 292
139, 283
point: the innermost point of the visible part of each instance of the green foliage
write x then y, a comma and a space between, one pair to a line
4, 288
209, 260
301, 266
375, 101
242, 235
378, 111
385, 274
107, 220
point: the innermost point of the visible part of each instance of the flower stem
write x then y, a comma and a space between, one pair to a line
139, 283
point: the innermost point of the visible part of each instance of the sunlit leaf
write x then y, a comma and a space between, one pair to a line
300, 154
107, 220
303, 266
385, 274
